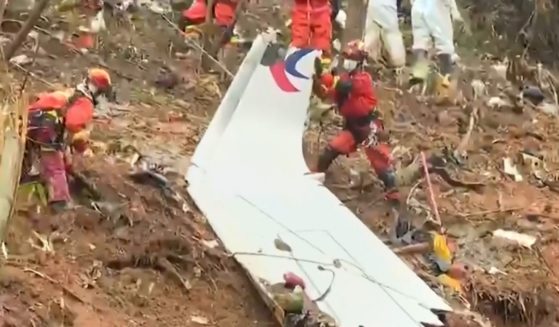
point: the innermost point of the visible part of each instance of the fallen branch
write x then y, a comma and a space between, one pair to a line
3, 5
26, 77
432, 200
158, 262
164, 264
56, 283
466, 139
487, 212
201, 49
25, 29
413, 248
33, 75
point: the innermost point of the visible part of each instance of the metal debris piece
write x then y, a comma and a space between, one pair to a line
524, 240
4, 250
21, 60
146, 171
510, 169
281, 245
212, 244
200, 320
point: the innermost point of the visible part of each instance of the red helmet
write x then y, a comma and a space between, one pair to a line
100, 78
354, 50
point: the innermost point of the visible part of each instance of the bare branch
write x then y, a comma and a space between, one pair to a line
25, 29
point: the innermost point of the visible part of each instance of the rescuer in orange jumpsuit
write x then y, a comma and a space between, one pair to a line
223, 13
311, 25
57, 121
355, 98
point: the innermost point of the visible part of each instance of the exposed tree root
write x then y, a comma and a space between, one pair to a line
157, 262
513, 305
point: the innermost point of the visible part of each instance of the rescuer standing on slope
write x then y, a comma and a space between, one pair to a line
311, 26
223, 12
381, 27
355, 98
59, 122
432, 21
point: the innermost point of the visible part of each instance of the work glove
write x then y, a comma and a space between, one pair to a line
80, 141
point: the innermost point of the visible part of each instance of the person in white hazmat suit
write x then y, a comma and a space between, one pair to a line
432, 24
382, 29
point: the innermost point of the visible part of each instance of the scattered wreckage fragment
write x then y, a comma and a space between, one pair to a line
147, 171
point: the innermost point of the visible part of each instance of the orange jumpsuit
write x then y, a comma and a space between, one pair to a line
49, 117
223, 12
311, 24
357, 104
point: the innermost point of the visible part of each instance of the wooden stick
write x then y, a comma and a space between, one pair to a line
413, 248
466, 139
432, 199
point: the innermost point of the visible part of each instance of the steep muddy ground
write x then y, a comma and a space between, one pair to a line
140, 260
144, 261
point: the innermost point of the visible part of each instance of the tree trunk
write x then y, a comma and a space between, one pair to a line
13, 127
8, 177
3, 5
207, 39
25, 29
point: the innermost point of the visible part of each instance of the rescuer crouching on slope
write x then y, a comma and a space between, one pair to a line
60, 123
223, 12
355, 99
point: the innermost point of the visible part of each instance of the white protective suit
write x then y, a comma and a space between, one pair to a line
432, 22
381, 28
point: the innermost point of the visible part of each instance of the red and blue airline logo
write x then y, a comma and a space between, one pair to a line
281, 68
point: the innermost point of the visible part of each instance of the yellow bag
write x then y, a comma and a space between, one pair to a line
450, 282
440, 247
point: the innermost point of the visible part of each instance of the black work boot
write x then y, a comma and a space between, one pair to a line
401, 225
325, 159
445, 87
59, 206
445, 63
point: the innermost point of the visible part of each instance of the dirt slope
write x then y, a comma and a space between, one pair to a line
156, 265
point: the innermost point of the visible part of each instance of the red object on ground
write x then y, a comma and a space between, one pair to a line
224, 12
311, 25
291, 281
84, 41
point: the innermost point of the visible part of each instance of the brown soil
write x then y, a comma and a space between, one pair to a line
527, 295
153, 267
150, 267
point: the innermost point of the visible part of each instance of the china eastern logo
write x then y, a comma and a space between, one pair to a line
281, 68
